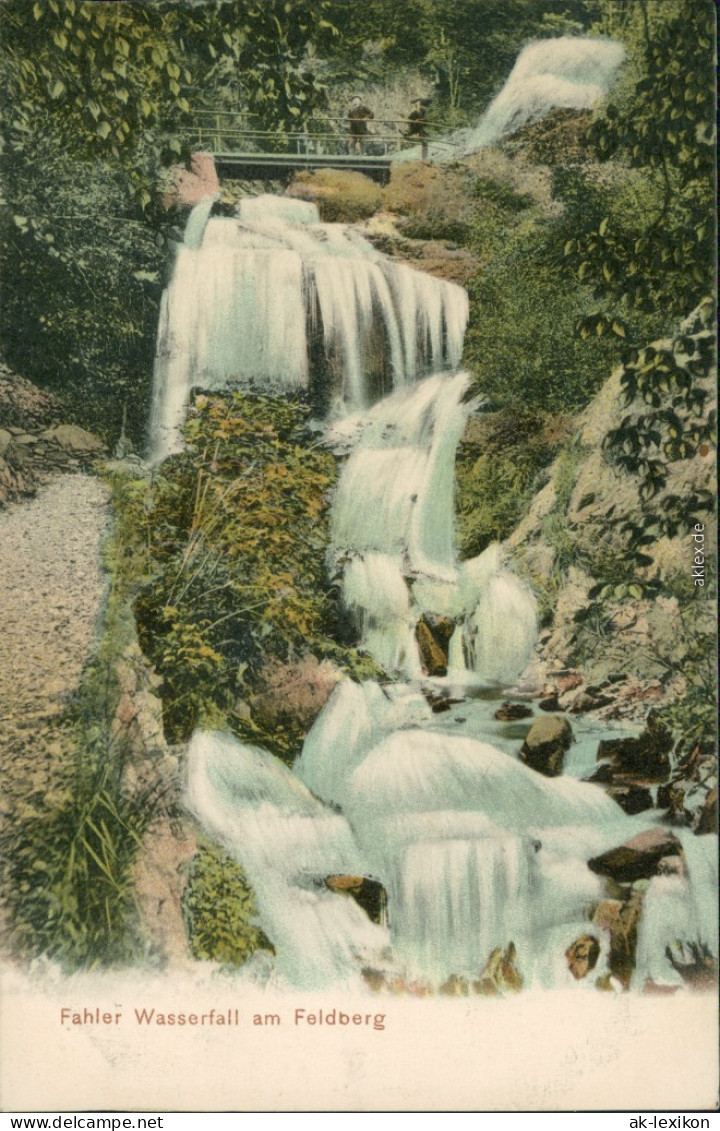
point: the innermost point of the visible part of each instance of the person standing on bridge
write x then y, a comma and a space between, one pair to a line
417, 124
358, 117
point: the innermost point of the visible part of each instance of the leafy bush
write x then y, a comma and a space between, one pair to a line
220, 910
497, 470
237, 527
340, 195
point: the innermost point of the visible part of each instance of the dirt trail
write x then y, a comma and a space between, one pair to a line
51, 591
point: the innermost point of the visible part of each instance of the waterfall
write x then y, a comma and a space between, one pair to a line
475, 850
287, 842
275, 301
570, 72
393, 539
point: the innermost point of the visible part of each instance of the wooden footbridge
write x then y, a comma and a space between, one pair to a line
243, 150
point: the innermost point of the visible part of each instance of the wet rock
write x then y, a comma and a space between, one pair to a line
545, 745
551, 703
691, 794
455, 987
646, 757
638, 858
500, 974
582, 956
437, 701
433, 633
620, 919
695, 964
587, 701
707, 821
367, 893
509, 712
631, 798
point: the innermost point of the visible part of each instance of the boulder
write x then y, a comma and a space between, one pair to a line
620, 919
545, 745
637, 859
500, 974
646, 757
369, 894
433, 633
294, 693
72, 438
511, 711
631, 798
582, 956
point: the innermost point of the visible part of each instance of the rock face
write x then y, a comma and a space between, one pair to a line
367, 893
33, 448
545, 745
293, 693
433, 633
637, 859
628, 650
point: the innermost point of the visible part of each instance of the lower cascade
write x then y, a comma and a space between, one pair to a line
483, 860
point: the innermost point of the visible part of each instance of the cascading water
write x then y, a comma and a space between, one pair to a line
275, 301
570, 72
474, 849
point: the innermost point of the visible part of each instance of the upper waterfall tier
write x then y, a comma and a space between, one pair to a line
571, 72
277, 301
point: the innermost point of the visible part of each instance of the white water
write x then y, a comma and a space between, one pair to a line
393, 540
570, 72
251, 298
475, 850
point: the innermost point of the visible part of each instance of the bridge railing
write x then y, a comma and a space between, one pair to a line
227, 131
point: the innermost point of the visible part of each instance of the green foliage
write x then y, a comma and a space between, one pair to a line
520, 340
69, 874
238, 530
81, 288
94, 98
664, 129
466, 48
498, 468
220, 910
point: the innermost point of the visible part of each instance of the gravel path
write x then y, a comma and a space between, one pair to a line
51, 591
